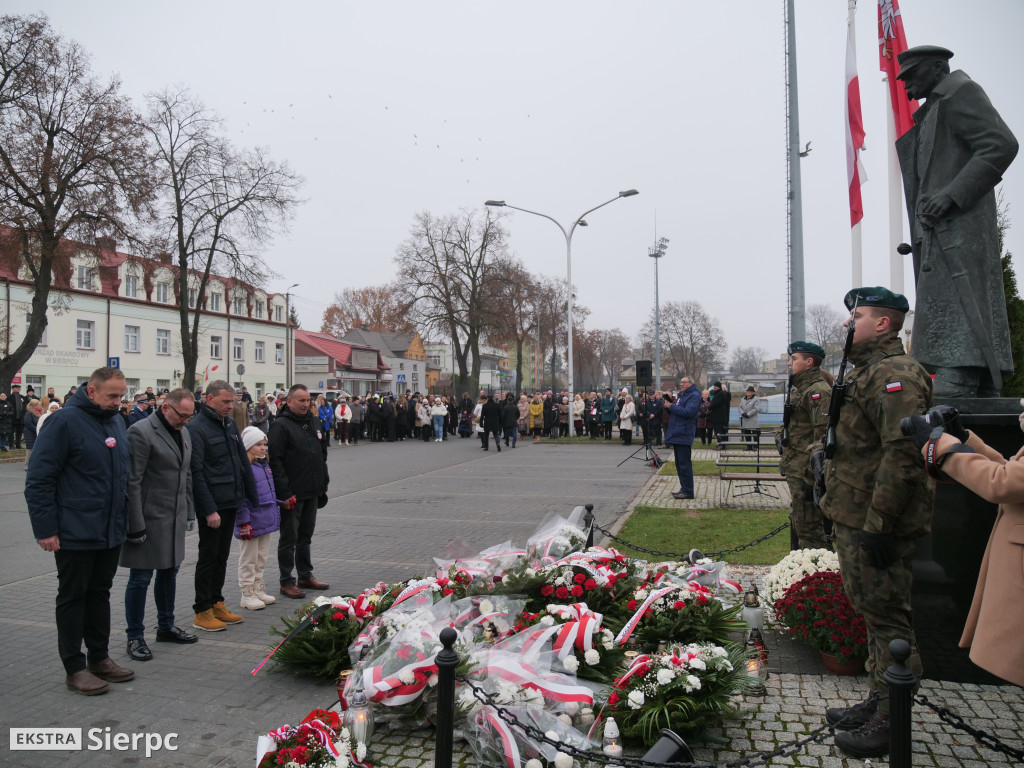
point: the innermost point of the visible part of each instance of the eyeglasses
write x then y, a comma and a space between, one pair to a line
181, 415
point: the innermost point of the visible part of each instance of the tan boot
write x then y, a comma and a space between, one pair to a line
221, 613
261, 593
207, 622
250, 601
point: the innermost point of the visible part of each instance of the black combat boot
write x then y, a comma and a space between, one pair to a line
852, 718
871, 740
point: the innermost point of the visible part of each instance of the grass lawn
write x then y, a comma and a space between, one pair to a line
711, 530
700, 468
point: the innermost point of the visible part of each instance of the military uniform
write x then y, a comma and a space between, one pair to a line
809, 397
876, 483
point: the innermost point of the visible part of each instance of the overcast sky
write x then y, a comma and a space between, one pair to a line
389, 108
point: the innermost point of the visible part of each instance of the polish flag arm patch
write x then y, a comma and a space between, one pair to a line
816, 396
894, 386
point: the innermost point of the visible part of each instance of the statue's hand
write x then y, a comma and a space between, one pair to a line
933, 208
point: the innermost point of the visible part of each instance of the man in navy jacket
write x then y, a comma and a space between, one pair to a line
682, 428
76, 490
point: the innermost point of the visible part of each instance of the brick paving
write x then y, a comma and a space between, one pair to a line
392, 508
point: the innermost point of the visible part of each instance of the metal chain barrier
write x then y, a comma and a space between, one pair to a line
680, 556
758, 758
953, 719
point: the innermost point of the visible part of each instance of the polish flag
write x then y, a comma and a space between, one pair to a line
855, 174
892, 41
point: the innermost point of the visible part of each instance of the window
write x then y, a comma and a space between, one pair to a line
260, 389
131, 286
279, 386
133, 386
163, 293
401, 366
193, 297
162, 384
278, 314
38, 383
42, 339
434, 360
259, 355
279, 353
215, 344
238, 349
257, 310
84, 278
215, 302
83, 334
131, 338
239, 306
163, 341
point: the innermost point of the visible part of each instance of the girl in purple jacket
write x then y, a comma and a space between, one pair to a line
254, 524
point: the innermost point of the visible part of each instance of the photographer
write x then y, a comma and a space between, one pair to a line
993, 633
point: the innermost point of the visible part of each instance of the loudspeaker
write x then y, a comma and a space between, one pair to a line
644, 373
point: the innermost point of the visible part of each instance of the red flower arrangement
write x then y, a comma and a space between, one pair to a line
817, 610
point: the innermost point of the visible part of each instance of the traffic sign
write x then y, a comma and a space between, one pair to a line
400, 378
113, 362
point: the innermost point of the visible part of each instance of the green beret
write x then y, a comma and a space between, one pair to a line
876, 296
911, 57
806, 347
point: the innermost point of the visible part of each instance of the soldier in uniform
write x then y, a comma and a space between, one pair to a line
809, 397
879, 497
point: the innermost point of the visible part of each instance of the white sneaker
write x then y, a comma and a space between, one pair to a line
249, 599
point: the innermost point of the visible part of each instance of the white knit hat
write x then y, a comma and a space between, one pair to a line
251, 436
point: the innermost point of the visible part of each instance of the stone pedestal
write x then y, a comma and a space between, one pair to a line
948, 559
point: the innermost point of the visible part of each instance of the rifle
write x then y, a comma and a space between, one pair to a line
839, 387
787, 411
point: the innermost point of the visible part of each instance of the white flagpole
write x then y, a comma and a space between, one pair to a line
856, 256
895, 199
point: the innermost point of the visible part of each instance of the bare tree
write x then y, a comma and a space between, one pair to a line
73, 163
377, 307
515, 310
747, 359
221, 205
825, 327
691, 340
448, 276
613, 348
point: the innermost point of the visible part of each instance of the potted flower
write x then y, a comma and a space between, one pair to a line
793, 567
817, 610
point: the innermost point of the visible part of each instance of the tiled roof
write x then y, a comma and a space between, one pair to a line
340, 351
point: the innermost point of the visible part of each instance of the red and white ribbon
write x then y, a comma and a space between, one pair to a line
318, 729
638, 667
627, 630
390, 690
508, 740
413, 589
551, 686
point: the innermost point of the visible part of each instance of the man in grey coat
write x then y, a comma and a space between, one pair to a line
951, 161
160, 510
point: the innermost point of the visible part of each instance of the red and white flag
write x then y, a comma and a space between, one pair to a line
892, 41
855, 174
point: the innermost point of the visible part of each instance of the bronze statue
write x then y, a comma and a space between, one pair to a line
951, 161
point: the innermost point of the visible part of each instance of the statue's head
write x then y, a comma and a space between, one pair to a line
922, 68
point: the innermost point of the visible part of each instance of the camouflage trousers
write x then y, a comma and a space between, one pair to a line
883, 598
805, 517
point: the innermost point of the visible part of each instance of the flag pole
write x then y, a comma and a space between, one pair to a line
896, 269
856, 252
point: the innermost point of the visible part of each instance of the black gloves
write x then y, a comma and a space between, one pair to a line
879, 549
937, 420
950, 420
321, 501
137, 537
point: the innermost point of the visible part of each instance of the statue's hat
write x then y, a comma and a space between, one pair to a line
911, 57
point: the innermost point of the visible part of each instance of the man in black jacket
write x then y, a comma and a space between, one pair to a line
510, 420
18, 403
719, 412
490, 420
221, 478
652, 416
298, 461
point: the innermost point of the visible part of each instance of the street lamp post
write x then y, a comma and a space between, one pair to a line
568, 257
656, 252
289, 356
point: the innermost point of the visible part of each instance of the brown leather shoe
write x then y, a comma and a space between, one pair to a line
111, 672
312, 583
290, 590
86, 683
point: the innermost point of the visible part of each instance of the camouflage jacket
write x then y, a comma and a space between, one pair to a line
808, 402
877, 481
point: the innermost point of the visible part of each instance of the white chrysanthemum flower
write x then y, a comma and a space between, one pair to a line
530, 573
547, 621
570, 663
361, 752
432, 681
572, 708
563, 760
697, 664
665, 676
321, 600
559, 582
641, 594
553, 735
486, 606
345, 735
565, 718
636, 699
341, 761
717, 650
692, 682
407, 676
592, 657
534, 763
506, 579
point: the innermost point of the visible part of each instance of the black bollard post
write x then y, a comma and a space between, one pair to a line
447, 661
901, 682
588, 521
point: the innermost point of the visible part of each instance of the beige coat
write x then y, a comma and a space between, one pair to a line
995, 624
